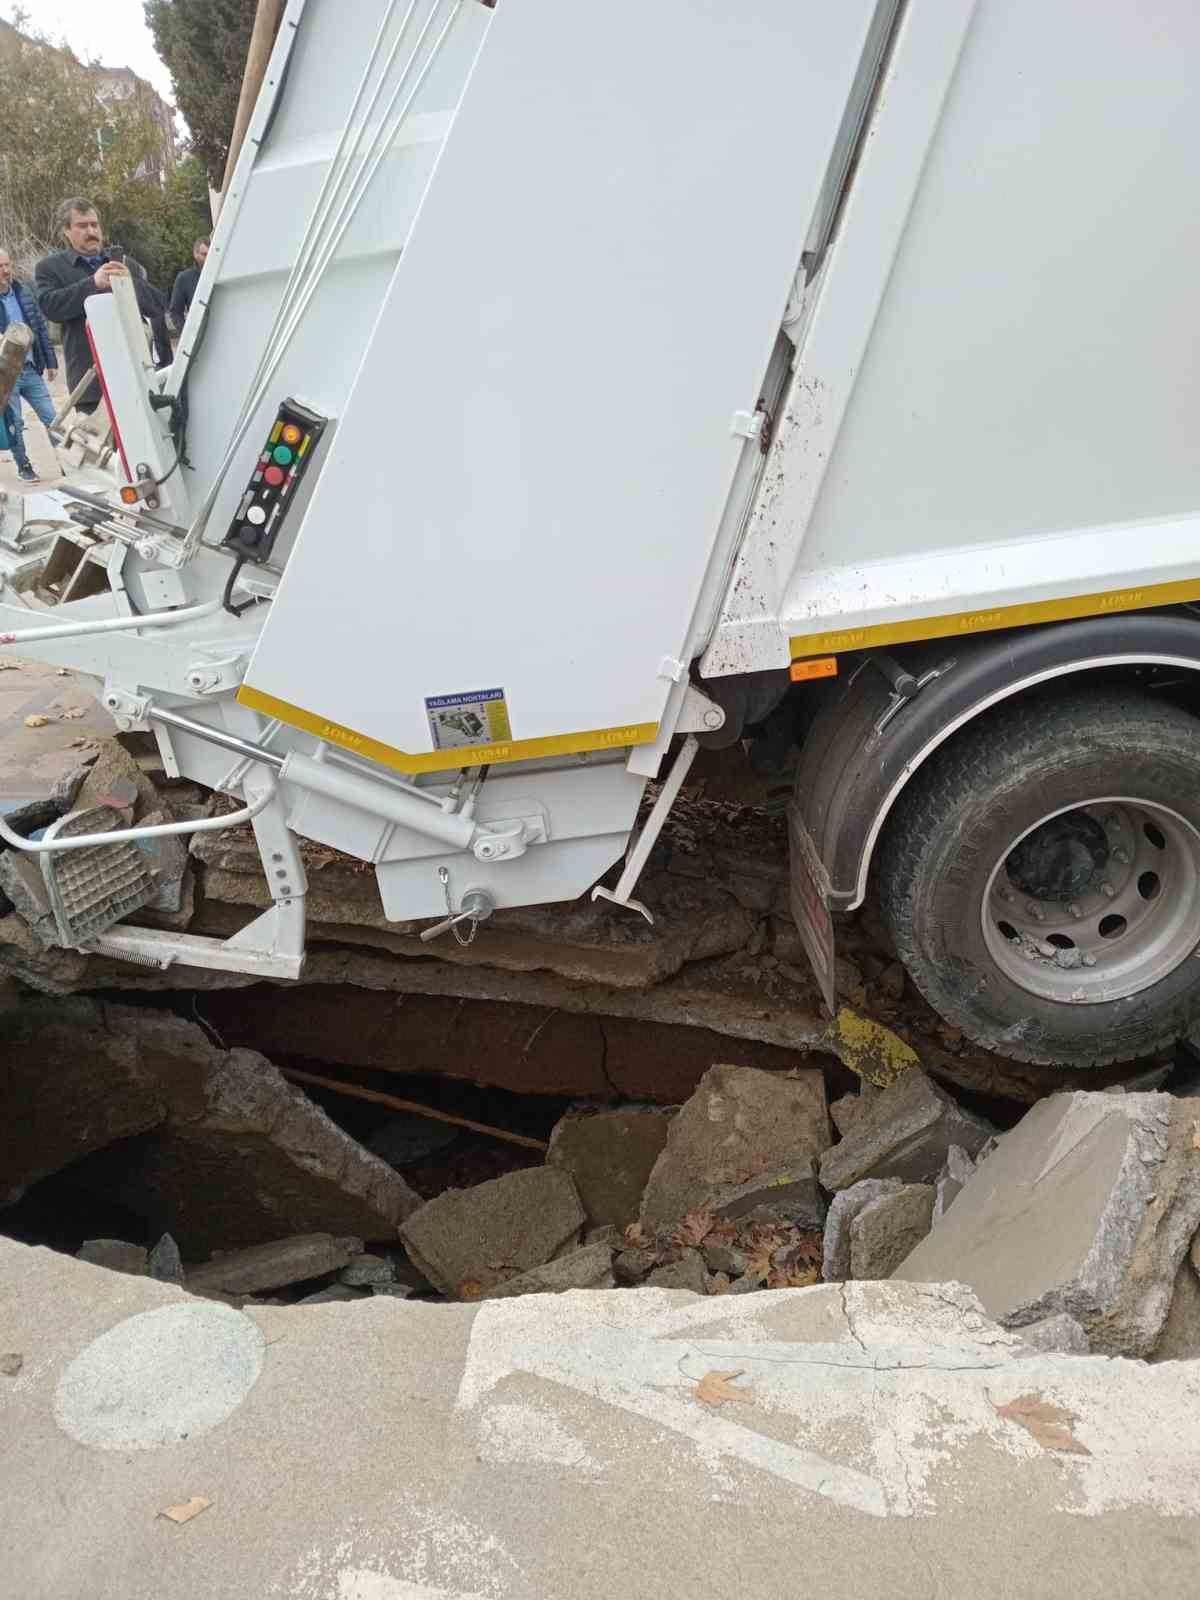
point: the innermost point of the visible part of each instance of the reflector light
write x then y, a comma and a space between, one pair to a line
129, 495
814, 667
291, 434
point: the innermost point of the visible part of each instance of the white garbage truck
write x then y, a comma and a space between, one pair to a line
572, 386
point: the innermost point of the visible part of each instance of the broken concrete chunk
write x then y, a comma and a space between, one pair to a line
1056, 1335
953, 1176
906, 1133
888, 1229
589, 1267
165, 1263
22, 882
1180, 1336
485, 1235
115, 1255
367, 1271
788, 1194
740, 1123
845, 1112
274, 1265
845, 1207
610, 1155
1087, 1207
631, 1266
335, 1293
686, 1273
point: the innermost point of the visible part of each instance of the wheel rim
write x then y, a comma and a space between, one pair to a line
1095, 902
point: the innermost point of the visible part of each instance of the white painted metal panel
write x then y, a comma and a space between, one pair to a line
525, 489
305, 104
1017, 422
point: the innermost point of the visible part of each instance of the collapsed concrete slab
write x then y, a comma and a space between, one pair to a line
72, 1081
469, 1240
788, 1194
610, 1155
904, 1132
739, 1124
1087, 1207
212, 1145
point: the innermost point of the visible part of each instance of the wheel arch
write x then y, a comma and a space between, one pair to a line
868, 741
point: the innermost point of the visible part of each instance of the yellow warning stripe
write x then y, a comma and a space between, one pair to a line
1018, 616
558, 744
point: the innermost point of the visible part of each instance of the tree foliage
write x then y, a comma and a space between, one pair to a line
204, 44
60, 139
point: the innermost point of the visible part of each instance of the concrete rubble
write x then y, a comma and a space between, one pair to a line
1088, 1208
274, 1265
738, 1125
609, 1155
905, 1132
888, 1228
467, 1241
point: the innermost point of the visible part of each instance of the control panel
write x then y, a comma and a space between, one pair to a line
282, 463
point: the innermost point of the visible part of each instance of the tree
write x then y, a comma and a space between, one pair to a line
61, 138
204, 44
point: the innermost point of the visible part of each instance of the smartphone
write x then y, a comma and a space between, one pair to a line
116, 254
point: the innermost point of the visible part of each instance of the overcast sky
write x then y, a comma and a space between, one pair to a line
113, 32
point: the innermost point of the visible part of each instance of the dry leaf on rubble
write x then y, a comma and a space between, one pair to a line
1049, 1424
189, 1509
635, 1236
716, 1388
793, 1278
37, 721
470, 1290
72, 714
720, 1283
696, 1226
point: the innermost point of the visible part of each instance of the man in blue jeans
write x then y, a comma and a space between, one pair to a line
19, 304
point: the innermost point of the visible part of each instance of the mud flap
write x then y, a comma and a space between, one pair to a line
809, 897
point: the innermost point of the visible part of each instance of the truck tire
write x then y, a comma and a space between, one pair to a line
1041, 878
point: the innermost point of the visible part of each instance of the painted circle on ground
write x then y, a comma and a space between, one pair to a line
160, 1377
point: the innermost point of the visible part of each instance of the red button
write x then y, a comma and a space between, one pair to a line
274, 476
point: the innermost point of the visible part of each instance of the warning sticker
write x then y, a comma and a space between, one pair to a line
477, 716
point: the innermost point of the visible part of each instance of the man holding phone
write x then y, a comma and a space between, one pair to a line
66, 279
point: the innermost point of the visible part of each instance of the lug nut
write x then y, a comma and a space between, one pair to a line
1089, 961
1035, 911
1107, 890
1074, 909
1122, 856
1004, 893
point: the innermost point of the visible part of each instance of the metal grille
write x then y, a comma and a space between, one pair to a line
92, 889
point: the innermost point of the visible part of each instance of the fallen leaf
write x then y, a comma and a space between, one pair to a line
635, 1236
716, 1388
696, 1226
1049, 1424
72, 714
189, 1509
761, 1267
793, 1278
470, 1290
11, 1364
719, 1283
37, 721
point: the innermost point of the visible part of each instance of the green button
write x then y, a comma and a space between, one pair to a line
282, 454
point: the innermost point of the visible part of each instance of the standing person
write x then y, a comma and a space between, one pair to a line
66, 279
17, 304
184, 291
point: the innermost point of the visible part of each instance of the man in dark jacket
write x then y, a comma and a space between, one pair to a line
17, 304
66, 279
186, 282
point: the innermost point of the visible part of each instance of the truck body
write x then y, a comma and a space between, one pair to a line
569, 386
